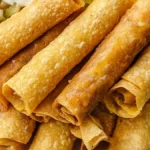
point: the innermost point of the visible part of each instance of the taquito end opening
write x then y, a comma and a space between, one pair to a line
124, 96
65, 113
96, 140
14, 98
69, 116
92, 133
122, 104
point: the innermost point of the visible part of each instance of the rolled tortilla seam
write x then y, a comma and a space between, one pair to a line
64, 53
111, 59
11, 67
31, 22
16, 128
128, 97
133, 133
53, 135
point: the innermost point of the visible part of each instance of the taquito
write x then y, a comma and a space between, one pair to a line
35, 81
53, 135
102, 116
31, 22
130, 94
132, 133
95, 128
11, 67
107, 65
44, 112
16, 129
90, 132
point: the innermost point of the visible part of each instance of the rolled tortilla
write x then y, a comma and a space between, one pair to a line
102, 116
53, 135
95, 128
133, 133
130, 94
31, 22
10, 68
35, 81
44, 112
105, 67
16, 128
92, 133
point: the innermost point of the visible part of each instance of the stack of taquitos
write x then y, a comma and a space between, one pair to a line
10, 68
31, 22
130, 94
35, 81
77, 100
110, 61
